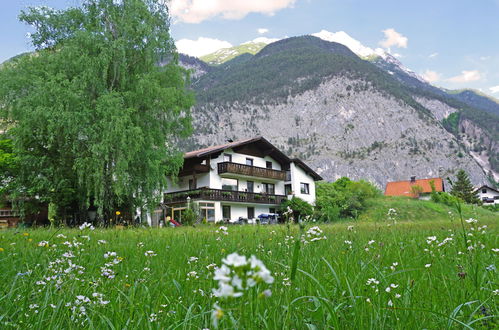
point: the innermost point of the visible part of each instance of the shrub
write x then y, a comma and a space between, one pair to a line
189, 216
300, 207
343, 198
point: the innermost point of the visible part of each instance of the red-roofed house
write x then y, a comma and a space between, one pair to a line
420, 188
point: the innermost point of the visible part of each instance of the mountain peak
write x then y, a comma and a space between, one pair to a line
355, 46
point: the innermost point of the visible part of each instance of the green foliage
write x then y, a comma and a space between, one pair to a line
189, 216
95, 115
463, 189
300, 208
343, 198
8, 165
451, 123
444, 198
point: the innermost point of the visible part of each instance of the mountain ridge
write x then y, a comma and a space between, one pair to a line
282, 73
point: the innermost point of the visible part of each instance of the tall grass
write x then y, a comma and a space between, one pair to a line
415, 280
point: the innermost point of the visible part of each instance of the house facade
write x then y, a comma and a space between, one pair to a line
415, 188
488, 195
238, 180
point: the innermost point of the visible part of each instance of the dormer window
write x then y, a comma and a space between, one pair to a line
269, 165
228, 158
484, 191
249, 161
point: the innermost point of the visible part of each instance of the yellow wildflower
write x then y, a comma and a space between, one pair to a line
1, 250
127, 285
30, 239
25, 234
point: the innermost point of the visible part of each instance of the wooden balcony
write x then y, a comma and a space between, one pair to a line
223, 196
247, 170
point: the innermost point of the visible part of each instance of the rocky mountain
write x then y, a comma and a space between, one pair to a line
226, 54
366, 117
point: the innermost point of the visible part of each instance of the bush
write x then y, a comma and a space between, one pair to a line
343, 198
445, 198
189, 217
300, 207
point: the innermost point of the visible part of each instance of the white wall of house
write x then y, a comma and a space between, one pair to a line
298, 176
213, 180
488, 194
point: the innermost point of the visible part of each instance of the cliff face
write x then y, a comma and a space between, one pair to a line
362, 135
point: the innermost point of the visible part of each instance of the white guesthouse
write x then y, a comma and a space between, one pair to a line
241, 179
488, 195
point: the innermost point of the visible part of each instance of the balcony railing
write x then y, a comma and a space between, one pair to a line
248, 170
223, 195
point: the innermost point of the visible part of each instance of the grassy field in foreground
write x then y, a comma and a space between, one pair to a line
384, 274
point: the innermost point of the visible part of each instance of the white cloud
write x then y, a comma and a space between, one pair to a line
466, 76
485, 58
431, 76
433, 55
196, 11
494, 89
343, 38
262, 31
201, 46
393, 38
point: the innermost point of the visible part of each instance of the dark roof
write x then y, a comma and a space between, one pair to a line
403, 188
214, 149
275, 153
261, 141
488, 187
307, 169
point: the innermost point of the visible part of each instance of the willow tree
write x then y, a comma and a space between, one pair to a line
94, 115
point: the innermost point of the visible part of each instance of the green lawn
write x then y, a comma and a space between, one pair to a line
453, 285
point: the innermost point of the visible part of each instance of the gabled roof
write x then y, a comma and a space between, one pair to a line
488, 187
262, 143
307, 169
403, 188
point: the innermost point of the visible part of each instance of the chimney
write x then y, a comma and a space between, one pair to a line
413, 179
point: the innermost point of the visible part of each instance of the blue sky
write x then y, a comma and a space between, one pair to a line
454, 44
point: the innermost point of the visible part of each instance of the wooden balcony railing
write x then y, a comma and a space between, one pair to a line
248, 170
222, 195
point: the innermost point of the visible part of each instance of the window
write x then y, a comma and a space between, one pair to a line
250, 186
287, 189
229, 184
226, 212
177, 214
228, 158
251, 212
192, 184
484, 191
269, 165
268, 188
249, 161
271, 209
304, 188
207, 211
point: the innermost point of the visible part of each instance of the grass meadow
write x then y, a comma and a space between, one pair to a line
386, 272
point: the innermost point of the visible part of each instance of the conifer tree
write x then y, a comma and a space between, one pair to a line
463, 188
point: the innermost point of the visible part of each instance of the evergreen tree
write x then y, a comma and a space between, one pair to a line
463, 188
95, 117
